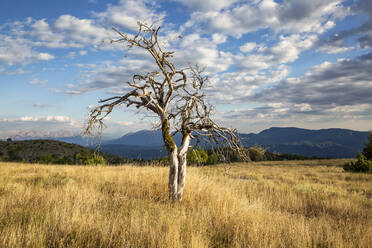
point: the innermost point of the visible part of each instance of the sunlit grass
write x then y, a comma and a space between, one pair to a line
270, 204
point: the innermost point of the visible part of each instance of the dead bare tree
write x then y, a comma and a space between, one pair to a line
175, 96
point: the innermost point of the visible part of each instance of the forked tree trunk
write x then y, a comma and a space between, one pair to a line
172, 156
182, 163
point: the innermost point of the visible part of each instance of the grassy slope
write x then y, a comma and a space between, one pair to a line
270, 204
33, 150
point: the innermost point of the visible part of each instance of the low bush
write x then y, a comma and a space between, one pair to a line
361, 165
88, 158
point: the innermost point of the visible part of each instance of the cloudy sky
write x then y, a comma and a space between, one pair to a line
270, 62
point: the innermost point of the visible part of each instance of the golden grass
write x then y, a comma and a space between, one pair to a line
270, 204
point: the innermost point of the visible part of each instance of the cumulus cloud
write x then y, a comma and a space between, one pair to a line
332, 87
44, 56
269, 115
256, 58
289, 48
19, 41
110, 77
219, 38
288, 16
237, 87
247, 47
191, 48
337, 93
362, 35
128, 12
68, 31
19, 50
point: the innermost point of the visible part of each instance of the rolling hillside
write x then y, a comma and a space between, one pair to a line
46, 151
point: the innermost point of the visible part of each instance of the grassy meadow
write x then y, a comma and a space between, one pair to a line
268, 204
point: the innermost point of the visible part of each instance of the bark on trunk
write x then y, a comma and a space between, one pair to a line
173, 175
182, 162
173, 159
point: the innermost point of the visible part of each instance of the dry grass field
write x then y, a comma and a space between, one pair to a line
269, 204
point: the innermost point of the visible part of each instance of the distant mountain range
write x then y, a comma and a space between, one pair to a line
324, 143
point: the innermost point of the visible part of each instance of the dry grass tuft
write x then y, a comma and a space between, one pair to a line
276, 204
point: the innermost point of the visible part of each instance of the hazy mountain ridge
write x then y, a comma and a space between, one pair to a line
332, 143
323, 143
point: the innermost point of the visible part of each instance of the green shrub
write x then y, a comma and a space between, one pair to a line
256, 153
361, 165
89, 158
212, 159
96, 159
197, 156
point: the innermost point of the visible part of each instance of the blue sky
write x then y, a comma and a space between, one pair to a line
270, 63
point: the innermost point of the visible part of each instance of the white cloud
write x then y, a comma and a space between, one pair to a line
128, 12
83, 31
67, 32
310, 16
341, 89
332, 49
58, 118
219, 38
290, 47
39, 125
236, 87
289, 16
247, 47
19, 50
44, 56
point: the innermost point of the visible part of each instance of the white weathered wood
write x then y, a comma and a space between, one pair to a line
182, 162
173, 174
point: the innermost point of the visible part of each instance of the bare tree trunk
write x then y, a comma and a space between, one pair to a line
172, 156
173, 174
182, 162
